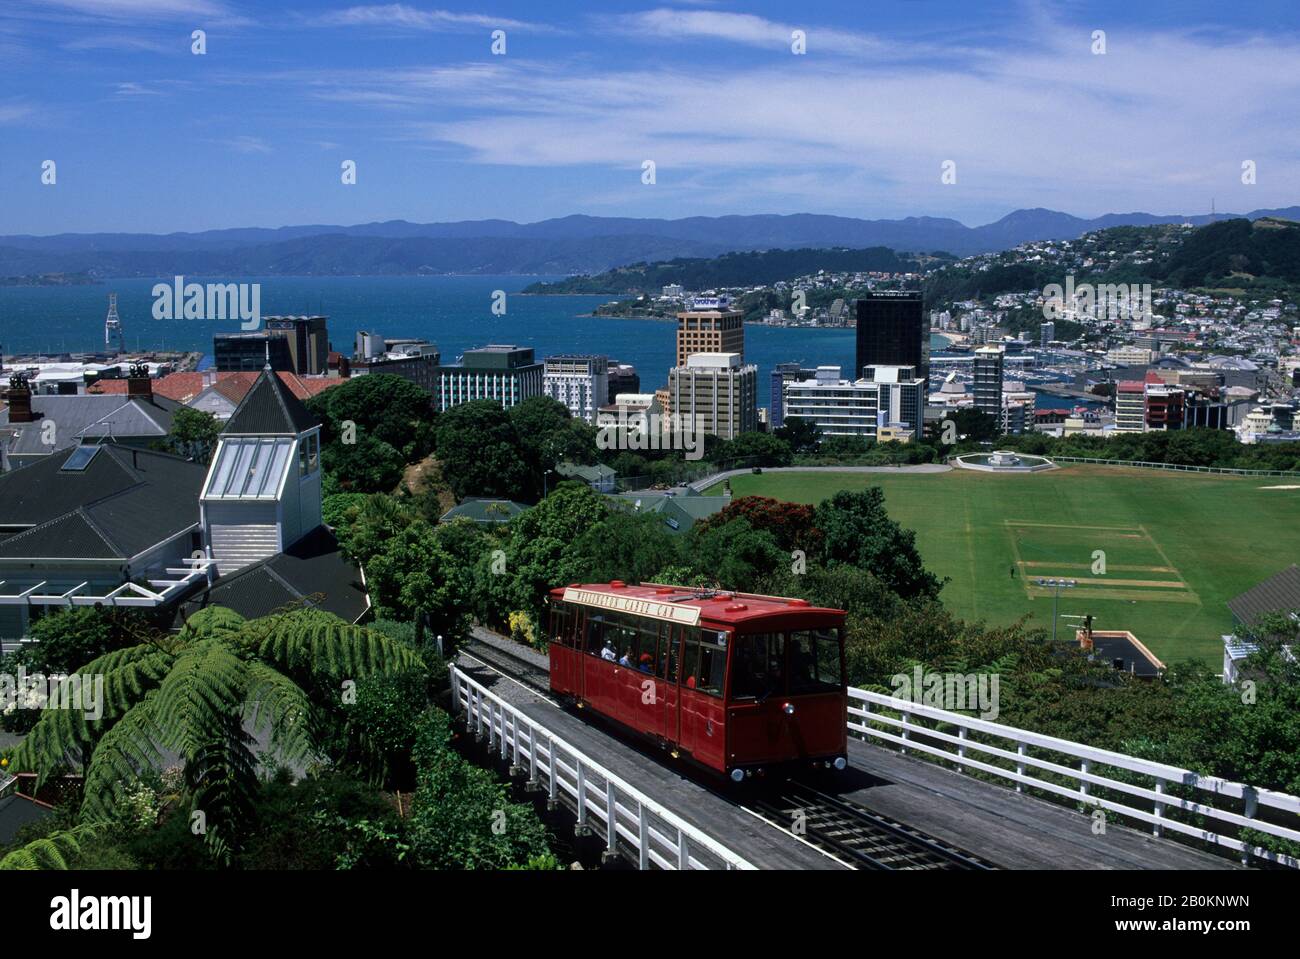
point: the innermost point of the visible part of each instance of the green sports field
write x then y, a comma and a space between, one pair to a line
1176, 546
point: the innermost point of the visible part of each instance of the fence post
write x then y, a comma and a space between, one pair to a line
611, 818
1020, 767
1160, 807
961, 748
906, 736
643, 836
1083, 785
1252, 808
582, 793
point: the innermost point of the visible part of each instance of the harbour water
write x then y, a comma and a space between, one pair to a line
455, 312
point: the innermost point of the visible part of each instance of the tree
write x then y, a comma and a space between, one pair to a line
368, 465
194, 433
464, 819
763, 449
800, 433
480, 452
791, 524
190, 694
736, 555
67, 638
383, 407
859, 532
627, 546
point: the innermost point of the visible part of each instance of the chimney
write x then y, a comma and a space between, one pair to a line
138, 383
19, 398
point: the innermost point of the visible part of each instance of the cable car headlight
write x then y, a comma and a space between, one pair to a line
738, 775
788, 709
841, 763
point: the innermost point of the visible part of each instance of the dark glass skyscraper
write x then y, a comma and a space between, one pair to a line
893, 330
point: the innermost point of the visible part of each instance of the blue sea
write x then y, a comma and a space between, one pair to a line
455, 312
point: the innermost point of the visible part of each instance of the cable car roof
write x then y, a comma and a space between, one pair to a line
691, 605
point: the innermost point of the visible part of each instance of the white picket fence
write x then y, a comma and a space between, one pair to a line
602, 801
915, 727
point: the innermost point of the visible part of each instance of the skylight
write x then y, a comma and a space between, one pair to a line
79, 459
249, 468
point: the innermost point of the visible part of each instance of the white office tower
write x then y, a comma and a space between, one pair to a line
580, 383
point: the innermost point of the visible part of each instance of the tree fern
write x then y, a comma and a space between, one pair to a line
192, 694
52, 852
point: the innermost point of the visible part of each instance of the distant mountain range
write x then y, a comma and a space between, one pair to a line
572, 244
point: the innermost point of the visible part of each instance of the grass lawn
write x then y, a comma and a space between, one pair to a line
1177, 546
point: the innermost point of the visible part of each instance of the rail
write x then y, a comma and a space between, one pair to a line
941, 734
602, 802
1177, 467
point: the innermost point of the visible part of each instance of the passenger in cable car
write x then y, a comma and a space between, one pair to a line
607, 652
647, 663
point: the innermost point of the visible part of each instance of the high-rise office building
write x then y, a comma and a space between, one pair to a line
507, 374
308, 340
888, 399
988, 381
249, 352
715, 393
1046, 333
893, 330
623, 378
581, 383
784, 373
710, 326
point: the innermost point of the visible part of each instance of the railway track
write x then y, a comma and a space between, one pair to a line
844, 831
856, 836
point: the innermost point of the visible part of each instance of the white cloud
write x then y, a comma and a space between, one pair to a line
744, 28
130, 9
411, 18
247, 144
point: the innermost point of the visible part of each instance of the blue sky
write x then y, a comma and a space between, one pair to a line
148, 136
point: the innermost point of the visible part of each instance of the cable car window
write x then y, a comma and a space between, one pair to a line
667, 665
758, 666
713, 663
622, 636
561, 631
814, 661
595, 633
647, 645
691, 657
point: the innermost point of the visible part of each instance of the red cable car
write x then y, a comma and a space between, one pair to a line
742, 684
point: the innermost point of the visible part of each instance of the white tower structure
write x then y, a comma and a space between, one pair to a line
113, 326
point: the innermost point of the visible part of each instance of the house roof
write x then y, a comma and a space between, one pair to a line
16, 811
269, 407
312, 572
184, 387
484, 510
86, 416
590, 474
679, 513
123, 502
1277, 594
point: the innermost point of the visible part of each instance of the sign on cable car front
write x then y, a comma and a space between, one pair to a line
654, 609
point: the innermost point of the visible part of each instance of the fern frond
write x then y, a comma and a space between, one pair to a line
53, 851
125, 751
314, 643
205, 685
60, 735
276, 699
